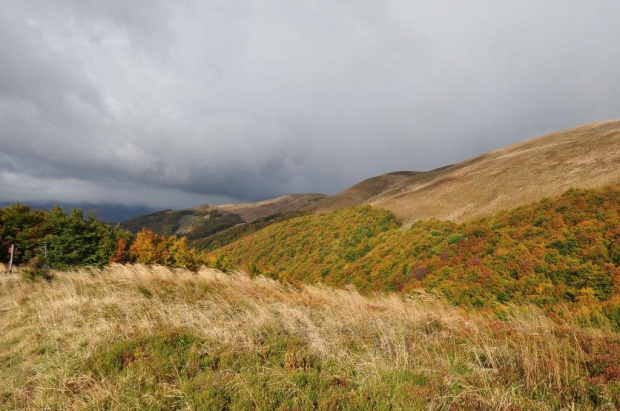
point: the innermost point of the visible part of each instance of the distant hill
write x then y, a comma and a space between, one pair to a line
249, 212
200, 222
110, 213
582, 157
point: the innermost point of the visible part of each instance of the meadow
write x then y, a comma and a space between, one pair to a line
132, 336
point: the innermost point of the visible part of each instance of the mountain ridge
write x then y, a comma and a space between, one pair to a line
586, 156
205, 220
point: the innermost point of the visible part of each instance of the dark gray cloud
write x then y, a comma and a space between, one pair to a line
179, 103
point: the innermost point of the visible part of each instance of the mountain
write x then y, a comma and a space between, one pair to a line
110, 213
582, 157
205, 220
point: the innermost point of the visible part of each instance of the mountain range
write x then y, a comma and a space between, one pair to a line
587, 156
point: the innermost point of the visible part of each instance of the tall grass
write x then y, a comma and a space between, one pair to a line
138, 337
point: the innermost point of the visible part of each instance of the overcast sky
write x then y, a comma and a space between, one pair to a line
179, 103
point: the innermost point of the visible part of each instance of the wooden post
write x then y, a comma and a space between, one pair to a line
11, 260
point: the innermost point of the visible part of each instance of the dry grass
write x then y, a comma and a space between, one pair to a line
581, 157
282, 347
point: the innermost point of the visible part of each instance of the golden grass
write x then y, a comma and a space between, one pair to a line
459, 359
582, 157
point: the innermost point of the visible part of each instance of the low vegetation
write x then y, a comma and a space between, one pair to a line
155, 338
560, 250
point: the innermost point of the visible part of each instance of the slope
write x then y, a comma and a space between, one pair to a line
583, 157
205, 220
560, 250
249, 212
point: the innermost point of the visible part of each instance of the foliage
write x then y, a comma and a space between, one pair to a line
564, 250
24, 227
312, 248
232, 234
75, 241
37, 269
152, 248
121, 254
62, 240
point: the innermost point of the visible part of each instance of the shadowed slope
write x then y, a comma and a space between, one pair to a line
205, 220
253, 211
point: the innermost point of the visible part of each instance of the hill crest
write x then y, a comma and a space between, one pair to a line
586, 156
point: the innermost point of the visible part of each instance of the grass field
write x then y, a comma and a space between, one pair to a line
132, 337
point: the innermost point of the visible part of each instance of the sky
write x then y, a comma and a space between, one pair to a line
173, 104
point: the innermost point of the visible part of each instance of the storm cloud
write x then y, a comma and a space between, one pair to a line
179, 103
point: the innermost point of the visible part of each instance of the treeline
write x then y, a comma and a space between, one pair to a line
561, 250
58, 240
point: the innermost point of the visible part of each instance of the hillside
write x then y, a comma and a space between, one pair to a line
249, 212
130, 337
582, 157
200, 222
560, 250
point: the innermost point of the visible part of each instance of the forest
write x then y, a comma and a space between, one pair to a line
561, 250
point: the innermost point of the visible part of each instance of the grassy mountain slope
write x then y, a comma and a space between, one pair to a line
581, 157
200, 222
565, 249
253, 211
137, 338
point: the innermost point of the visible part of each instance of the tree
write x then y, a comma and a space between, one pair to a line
23, 227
